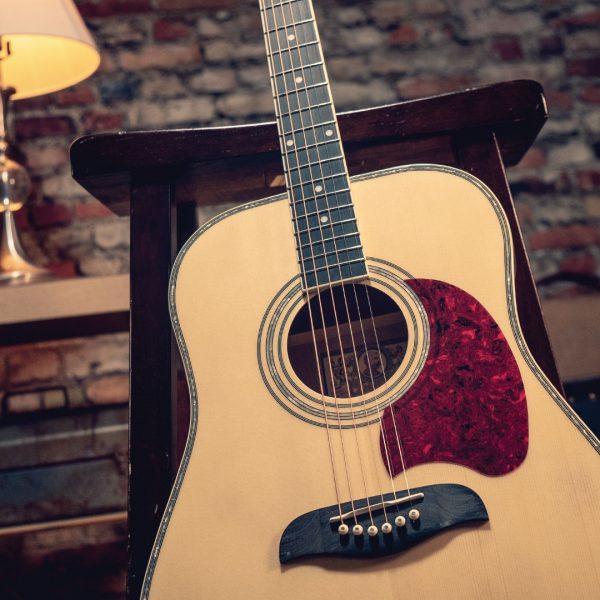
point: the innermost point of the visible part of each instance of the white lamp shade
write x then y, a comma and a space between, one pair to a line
50, 46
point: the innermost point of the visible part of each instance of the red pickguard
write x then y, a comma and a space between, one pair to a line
468, 404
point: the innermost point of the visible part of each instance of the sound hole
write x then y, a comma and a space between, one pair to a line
360, 336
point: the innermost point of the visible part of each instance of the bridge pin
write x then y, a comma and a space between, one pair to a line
357, 530
400, 521
414, 515
386, 528
372, 531
343, 529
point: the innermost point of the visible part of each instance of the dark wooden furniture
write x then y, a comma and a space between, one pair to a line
159, 177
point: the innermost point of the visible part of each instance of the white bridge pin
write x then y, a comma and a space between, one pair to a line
343, 529
386, 528
372, 531
357, 530
414, 515
400, 521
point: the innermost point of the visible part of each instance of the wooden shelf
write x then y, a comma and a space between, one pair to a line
64, 308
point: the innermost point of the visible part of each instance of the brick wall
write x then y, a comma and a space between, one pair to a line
179, 63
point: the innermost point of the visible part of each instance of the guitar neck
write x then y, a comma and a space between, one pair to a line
326, 232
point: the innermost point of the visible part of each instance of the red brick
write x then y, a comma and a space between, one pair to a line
92, 210
590, 94
559, 101
65, 269
166, 30
430, 85
34, 127
589, 180
47, 215
586, 67
565, 237
101, 121
579, 263
587, 19
22, 220
108, 8
164, 56
551, 46
507, 49
79, 95
532, 159
403, 35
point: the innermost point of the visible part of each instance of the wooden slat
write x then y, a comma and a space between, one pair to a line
515, 111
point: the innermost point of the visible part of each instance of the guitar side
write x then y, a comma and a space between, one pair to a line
251, 467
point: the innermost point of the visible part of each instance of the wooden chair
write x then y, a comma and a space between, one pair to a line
158, 178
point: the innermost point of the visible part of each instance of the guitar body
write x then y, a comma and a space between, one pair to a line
255, 460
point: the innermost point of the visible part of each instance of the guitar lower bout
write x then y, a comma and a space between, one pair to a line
450, 397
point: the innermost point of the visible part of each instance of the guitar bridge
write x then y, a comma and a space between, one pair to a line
375, 532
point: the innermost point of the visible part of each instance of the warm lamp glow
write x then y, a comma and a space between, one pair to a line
50, 46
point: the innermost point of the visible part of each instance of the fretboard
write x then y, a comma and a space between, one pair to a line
325, 228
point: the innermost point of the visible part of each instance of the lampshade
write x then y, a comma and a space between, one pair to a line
50, 46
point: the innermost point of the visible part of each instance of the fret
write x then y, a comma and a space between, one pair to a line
331, 260
320, 161
341, 242
315, 64
322, 234
324, 211
292, 25
306, 119
295, 100
346, 262
292, 36
319, 171
295, 57
306, 76
276, 15
303, 88
335, 252
306, 206
342, 236
346, 272
327, 143
294, 47
325, 217
311, 127
327, 226
328, 183
291, 112
282, 3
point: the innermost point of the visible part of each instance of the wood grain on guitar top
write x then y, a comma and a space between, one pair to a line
251, 466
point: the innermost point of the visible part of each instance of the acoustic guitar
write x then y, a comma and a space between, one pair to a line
367, 421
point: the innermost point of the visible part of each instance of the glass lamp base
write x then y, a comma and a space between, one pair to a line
15, 267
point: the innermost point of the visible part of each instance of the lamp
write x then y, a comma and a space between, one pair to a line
44, 47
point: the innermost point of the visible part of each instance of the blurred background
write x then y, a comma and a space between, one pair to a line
189, 63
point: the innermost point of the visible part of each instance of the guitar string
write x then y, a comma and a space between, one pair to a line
379, 414
276, 97
391, 407
284, 33
373, 452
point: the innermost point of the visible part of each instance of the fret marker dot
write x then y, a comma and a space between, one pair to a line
329, 132
319, 188
290, 142
324, 219
299, 80
291, 37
